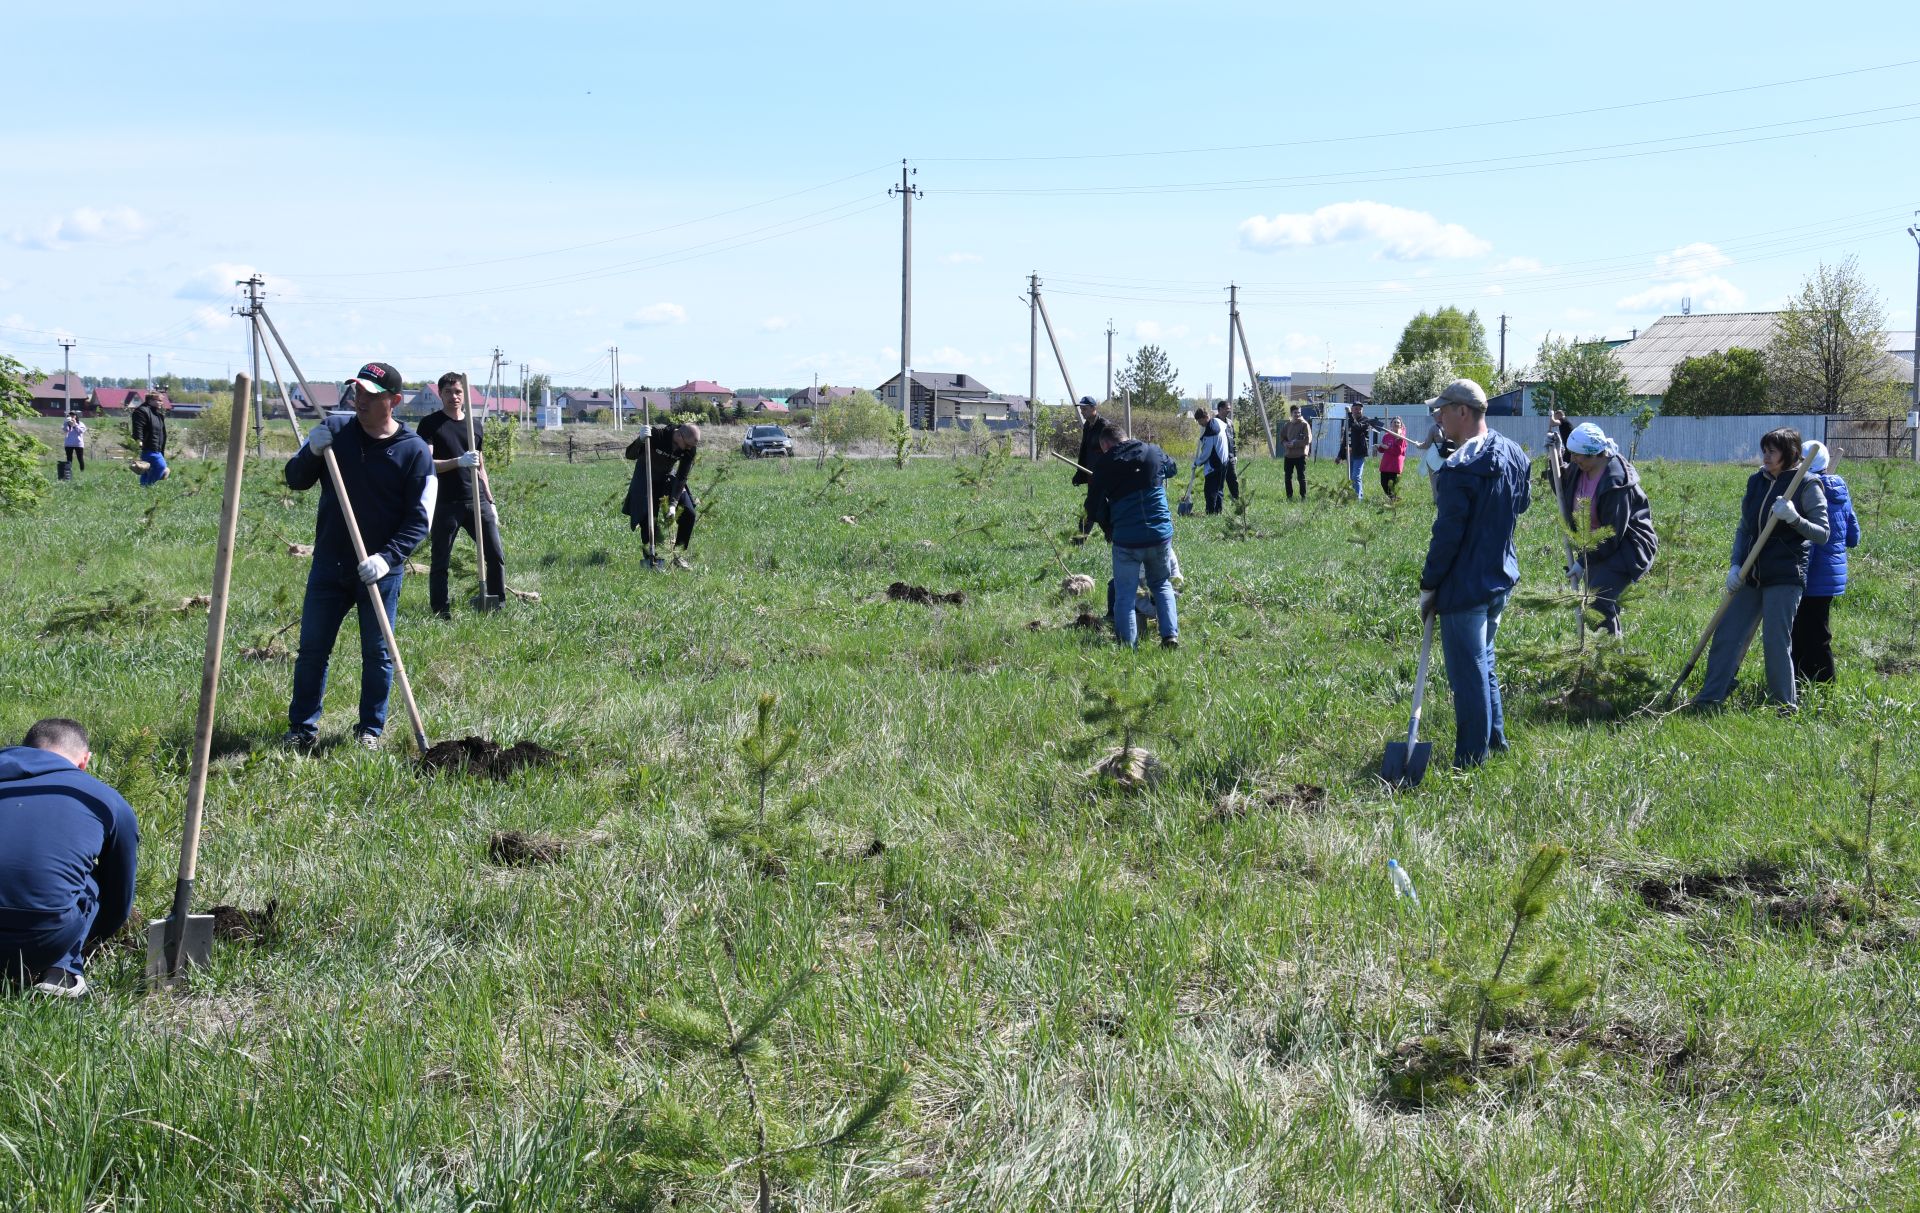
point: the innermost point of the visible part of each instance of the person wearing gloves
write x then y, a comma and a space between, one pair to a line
388, 473
1826, 573
670, 449
1210, 458
1479, 493
1091, 423
1769, 596
69, 850
1130, 506
1601, 489
445, 433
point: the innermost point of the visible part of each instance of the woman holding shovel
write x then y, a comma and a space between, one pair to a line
1766, 589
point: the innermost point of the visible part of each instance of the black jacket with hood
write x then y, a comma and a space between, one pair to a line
1619, 504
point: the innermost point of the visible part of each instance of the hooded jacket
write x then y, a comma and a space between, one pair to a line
1090, 431
66, 839
1620, 504
1479, 495
670, 470
1127, 498
386, 481
1827, 564
1784, 560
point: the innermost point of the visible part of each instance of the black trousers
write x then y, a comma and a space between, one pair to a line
1296, 466
77, 454
1233, 478
1086, 513
683, 527
1214, 487
1389, 481
449, 519
1813, 639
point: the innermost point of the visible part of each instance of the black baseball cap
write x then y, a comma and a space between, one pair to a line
377, 377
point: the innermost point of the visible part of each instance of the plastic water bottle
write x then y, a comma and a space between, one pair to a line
1402, 883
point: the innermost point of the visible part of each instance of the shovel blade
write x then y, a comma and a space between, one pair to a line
1186, 506
1404, 765
487, 602
196, 948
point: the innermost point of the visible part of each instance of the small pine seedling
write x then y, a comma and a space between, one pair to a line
762, 752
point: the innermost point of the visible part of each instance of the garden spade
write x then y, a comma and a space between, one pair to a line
484, 601
1186, 498
1406, 761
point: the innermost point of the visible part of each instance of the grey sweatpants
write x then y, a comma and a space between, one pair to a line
1773, 605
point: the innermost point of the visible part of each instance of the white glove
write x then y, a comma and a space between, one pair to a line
1733, 580
320, 439
1426, 602
372, 569
1784, 511
468, 459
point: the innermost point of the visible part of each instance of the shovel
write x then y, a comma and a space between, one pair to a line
1186, 498
483, 601
1406, 761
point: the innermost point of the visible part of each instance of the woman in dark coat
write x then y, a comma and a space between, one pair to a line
1616, 509
673, 449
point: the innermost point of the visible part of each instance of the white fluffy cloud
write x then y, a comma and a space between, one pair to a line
1404, 235
1153, 330
87, 225
1518, 265
773, 324
1690, 261
656, 314
1686, 274
217, 282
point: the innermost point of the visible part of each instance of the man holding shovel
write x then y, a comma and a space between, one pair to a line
663, 459
69, 847
1479, 494
387, 470
461, 471
1091, 423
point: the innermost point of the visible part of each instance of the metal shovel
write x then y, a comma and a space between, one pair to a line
1186, 498
1406, 761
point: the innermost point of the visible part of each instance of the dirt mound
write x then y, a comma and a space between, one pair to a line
259, 926
1755, 878
1828, 909
515, 849
1077, 585
1302, 799
478, 756
900, 591
1126, 769
1088, 620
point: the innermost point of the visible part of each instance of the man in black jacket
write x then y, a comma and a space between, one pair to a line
445, 434
672, 448
388, 473
1091, 425
150, 436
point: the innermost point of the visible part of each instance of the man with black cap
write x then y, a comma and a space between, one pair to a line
445, 434
1091, 425
388, 473
1479, 494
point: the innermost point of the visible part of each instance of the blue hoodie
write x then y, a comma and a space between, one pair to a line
1479, 495
1126, 497
386, 481
65, 839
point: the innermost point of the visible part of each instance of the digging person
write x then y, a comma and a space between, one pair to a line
1129, 503
388, 472
1091, 423
149, 423
1479, 493
1617, 512
673, 448
69, 848
445, 433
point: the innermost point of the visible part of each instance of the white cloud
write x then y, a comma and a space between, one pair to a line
1710, 294
218, 280
1690, 261
1153, 330
1518, 265
1494, 288
773, 324
656, 314
87, 225
946, 358
1395, 287
1580, 315
1405, 235
962, 258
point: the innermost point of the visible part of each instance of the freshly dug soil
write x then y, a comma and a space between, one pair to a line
900, 591
515, 849
478, 756
247, 926
1303, 799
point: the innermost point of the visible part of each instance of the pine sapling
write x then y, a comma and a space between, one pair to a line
1544, 982
763, 752
1125, 711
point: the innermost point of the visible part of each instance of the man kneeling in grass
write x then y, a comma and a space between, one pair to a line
1128, 499
69, 846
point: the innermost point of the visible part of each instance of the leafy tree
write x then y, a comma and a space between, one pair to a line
1412, 382
534, 384
1826, 356
1150, 376
22, 484
211, 429
856, 418
1719, 384
1460, 336
1581, 377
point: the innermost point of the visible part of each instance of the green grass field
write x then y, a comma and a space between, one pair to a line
1200, 995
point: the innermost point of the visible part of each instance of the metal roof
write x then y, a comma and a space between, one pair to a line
1649, 359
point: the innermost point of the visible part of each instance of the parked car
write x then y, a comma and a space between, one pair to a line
766, 440
185, 412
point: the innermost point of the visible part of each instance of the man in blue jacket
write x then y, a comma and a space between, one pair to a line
69, 846
1479, 494
388, 470
1129, 501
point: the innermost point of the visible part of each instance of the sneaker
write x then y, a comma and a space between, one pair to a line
366, 740
681, 562
442, 613
300, 741
1169, 642
59, 983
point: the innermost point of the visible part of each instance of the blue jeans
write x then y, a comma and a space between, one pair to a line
58, 943
156, 468
1466, 644
1776, 605
1356, 469
331, 593
1129, 566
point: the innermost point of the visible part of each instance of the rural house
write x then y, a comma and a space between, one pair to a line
704, 389
50, 395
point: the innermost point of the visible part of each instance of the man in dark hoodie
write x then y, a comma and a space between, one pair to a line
1479, 494
1091, 423
388, 471
670, 449
69, 846
1601, 490
1129, 501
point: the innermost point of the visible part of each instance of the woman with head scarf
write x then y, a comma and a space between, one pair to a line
1769, 592
1826, 573
1601, 497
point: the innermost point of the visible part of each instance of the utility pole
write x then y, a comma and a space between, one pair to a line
907, 192
499, 365
1033, 367
149, 374
1109, 395
66, 372
1503, 345
253, 283
1233, 324
1914, 231
613, 363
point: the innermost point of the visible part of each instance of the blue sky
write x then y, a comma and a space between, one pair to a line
706, 185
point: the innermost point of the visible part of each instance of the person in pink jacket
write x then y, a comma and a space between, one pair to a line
1393, 456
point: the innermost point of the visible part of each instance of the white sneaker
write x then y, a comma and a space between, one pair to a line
59, 983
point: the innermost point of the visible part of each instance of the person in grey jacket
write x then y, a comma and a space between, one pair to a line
1769, 595
1618, 513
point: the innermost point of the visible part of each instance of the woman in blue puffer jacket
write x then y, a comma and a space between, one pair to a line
1826, 575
